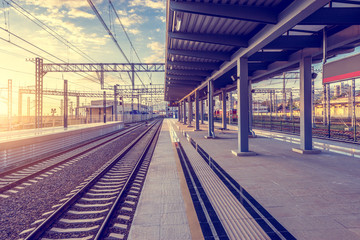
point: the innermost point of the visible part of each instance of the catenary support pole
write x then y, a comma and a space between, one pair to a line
65, 104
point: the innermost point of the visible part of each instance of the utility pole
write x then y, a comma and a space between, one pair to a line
104, 105
65, 104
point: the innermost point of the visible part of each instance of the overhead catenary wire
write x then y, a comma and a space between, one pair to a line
127, 36
53, 33
111, 35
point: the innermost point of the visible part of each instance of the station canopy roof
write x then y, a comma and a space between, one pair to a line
204, 38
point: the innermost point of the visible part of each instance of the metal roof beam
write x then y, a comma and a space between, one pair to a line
229, 40
295, 42
179, 77
269, 56
288, 18
246, 13
201, 54
334, 16
195, 65
189, 72
179, 82
340, 39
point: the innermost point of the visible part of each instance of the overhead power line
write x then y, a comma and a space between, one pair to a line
110, 34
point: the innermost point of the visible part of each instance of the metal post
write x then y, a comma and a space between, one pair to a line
197, 125
242, 108
104, 106
189, 111
305, 105
184, 112
9, 104
77, 106
328, 109
224, 109
313, 102
202, 111
211, 132
250, 108
284, 97
65, 103
132, 92
38, 92
353, 120
325, 119
115, 102
324, 105
178, 115
230, 107
291, 106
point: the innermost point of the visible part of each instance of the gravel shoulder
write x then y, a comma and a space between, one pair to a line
21, 209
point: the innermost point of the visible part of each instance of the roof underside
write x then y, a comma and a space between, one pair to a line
206, 37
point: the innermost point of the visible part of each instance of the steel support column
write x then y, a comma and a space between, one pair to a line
178, 115
305, 107
211, 132
202, 111
38, 92
65, 104
28, 107
184, 108
230, 107
243, 108
77, 106
104, 106
197, 125
115, 103
190, 111
223, 93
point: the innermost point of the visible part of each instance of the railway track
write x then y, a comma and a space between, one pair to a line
102, 207
35, 171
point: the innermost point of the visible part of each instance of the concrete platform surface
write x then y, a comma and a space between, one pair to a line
161, 211
312, 196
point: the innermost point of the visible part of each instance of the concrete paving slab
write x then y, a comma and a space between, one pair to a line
312, 196
161, 212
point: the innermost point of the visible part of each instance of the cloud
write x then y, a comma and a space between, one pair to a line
155, 4
158, 52
161, 18
60, 3
130, 19
134, 31
75, 13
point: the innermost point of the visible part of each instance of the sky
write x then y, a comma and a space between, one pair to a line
76, 29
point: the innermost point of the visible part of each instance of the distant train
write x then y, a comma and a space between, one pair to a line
260, 109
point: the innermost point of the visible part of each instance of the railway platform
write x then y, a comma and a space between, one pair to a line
311, 196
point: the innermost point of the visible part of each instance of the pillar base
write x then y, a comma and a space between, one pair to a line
302, 151
243, 154
209, 137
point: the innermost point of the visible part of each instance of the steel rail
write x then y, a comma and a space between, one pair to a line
45, 225
112, 211
32, 175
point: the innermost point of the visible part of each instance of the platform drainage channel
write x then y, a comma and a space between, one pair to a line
267, 222
210, 223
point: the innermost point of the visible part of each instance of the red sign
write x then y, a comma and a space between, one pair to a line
343, 69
